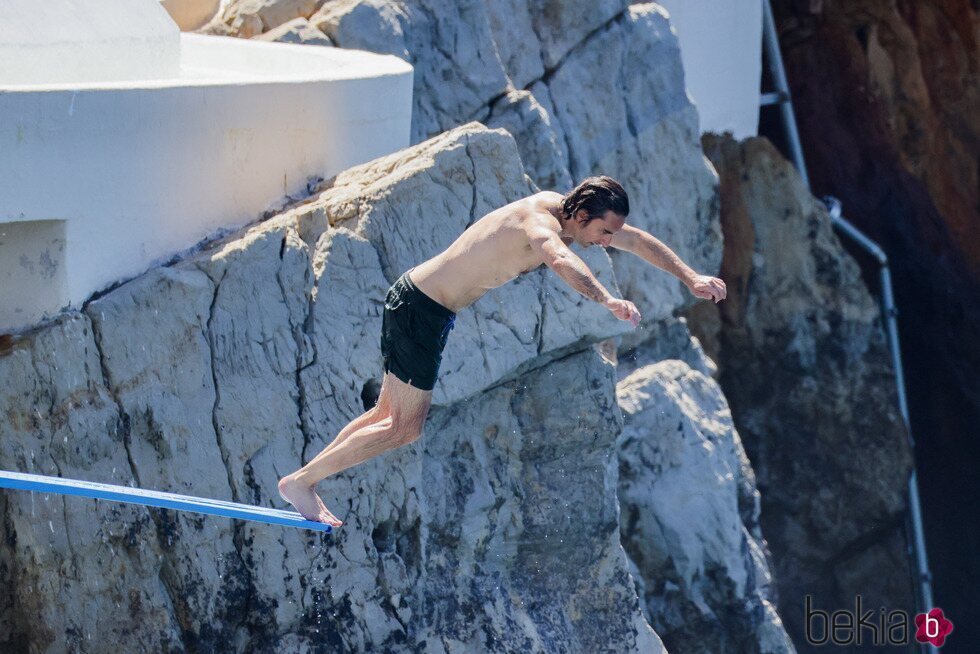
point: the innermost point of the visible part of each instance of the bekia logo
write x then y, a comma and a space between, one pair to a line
932, 627
843, 627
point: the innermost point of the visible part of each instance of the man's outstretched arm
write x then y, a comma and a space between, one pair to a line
655, 252
570, 267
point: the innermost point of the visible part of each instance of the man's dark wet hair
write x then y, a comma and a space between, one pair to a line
596, 195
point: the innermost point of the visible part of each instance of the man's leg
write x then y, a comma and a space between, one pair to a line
374, 415
407, 408
309, 503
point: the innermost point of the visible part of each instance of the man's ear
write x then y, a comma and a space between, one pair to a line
581, 216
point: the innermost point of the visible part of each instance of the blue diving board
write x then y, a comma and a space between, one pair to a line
43, 484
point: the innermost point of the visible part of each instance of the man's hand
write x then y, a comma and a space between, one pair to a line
709, 288
624, 310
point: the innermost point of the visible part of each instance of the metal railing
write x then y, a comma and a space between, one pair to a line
781, 97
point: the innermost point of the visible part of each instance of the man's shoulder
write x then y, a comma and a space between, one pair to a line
536, 219
550, 194
538, 211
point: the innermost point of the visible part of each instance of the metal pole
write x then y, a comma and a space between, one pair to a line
771, 42
890, 312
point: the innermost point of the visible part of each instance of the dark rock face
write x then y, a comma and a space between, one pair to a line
888, 104
546, 442
804, 364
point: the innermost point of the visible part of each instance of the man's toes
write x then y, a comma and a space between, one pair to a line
330, 520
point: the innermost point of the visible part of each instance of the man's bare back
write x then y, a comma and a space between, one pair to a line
491, 252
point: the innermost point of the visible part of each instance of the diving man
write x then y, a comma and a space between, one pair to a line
421, 306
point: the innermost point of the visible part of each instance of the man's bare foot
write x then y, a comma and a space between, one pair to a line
306, 501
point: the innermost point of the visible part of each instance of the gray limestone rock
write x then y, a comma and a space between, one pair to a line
201, 370
297, 30
562, 26
374, 25
62, 558
519, 500
669, 339
457, 69
517, 44
247, 18
690, 515
539, 138
533, 36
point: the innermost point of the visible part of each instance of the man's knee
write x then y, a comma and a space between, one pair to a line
377, 414
407, 431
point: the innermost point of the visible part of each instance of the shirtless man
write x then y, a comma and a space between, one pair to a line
420, 310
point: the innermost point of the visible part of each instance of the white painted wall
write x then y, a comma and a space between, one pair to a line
141, 170
47, 41
721, 49
32, 269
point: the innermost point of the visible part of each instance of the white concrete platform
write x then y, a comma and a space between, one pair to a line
101, 180
68, 41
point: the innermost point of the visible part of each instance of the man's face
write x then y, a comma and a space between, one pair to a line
600, 230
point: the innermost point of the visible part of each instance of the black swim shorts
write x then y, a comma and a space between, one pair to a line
414, 330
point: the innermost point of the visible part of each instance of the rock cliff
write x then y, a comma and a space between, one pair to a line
498, 531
